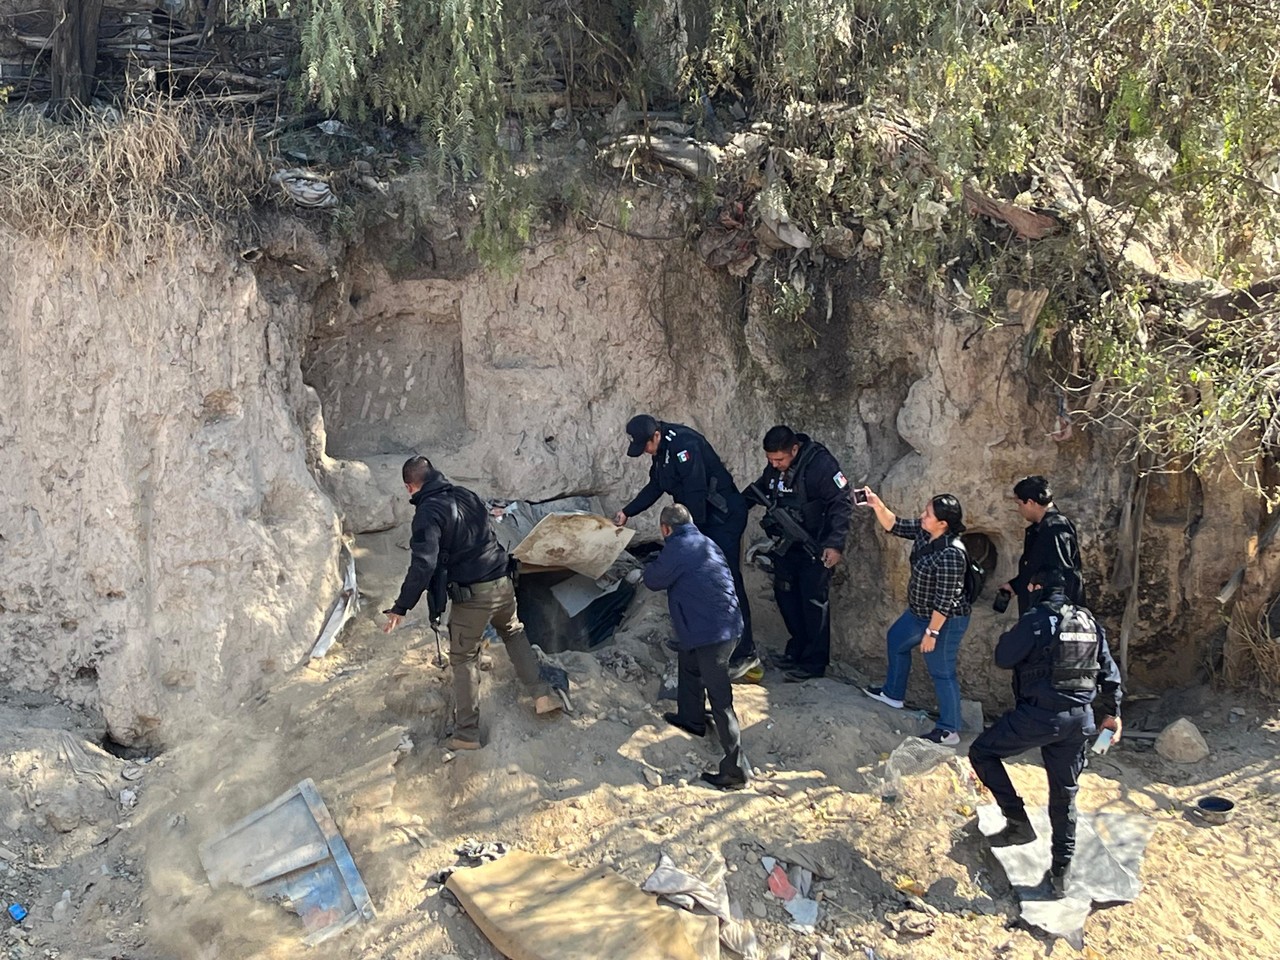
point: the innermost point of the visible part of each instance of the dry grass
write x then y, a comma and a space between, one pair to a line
147, 175
1253, 657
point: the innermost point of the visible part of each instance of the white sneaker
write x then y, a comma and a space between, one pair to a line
947, 738
877, 693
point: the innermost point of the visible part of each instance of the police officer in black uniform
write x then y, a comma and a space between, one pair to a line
455, 552
803, 481
1049, 543
1062, 669
686, 466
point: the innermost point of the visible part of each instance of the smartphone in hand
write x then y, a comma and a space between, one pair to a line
859, 495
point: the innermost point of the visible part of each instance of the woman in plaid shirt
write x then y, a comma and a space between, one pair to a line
937, 613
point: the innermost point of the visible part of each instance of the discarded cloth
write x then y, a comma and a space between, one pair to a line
472, 853
686, 890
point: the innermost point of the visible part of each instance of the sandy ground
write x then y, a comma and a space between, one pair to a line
105, 879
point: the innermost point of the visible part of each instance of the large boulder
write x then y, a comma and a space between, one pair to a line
1181, 742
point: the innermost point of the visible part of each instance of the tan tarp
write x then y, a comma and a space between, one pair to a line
539, 908
581, 542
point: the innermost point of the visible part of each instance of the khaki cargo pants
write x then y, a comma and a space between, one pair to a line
491, 602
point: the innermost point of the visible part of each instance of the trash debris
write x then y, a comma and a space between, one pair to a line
305, 188
792, 883
685, 889
667, 880
334, 128
345, 606
17, 912
472, 853
693, 158
539, 908
911, 758
670, 683
88, 762
291, 851
779, 885
128, 798
621, 664
908, 885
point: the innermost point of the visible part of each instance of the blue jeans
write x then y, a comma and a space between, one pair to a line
904, 636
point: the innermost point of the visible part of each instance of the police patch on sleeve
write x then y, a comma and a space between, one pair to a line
683, 456
840, 480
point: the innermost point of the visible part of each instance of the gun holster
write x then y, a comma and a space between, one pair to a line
716, 501
459, 593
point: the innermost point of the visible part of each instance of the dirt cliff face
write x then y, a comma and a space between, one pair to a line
173, 487
164, 547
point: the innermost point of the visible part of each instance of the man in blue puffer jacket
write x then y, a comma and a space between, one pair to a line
708, 623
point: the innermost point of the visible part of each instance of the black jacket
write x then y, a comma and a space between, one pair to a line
1027, 650
451, 542
814, 490
687, 467
1051, 544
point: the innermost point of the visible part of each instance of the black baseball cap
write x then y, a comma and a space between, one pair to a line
640, 429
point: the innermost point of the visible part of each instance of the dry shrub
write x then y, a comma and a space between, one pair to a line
146, 175
1255, 656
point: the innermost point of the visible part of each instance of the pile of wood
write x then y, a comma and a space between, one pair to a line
144, 51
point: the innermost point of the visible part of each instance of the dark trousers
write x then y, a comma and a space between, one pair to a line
727, 535
704, 675
800, 585
1061, 738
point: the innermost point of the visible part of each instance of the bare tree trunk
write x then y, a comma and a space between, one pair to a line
75, 53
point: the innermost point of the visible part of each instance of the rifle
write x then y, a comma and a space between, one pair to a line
790, 532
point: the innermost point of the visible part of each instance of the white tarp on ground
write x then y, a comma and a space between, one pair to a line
1109, 849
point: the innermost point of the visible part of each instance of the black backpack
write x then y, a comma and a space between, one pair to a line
974, 576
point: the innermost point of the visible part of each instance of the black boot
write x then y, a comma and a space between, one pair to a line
1053, 885
680, 723
722, 782
1017, 831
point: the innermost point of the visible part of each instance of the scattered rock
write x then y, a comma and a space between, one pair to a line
652, 777
773, 787
65, 811
62, 908
1181, 742
910, 924
839, 241
971, 719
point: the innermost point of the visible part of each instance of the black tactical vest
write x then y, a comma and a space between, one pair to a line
1075, 651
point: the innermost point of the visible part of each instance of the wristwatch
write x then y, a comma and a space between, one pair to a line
930, 632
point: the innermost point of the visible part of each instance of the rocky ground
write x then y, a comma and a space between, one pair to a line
101, 850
